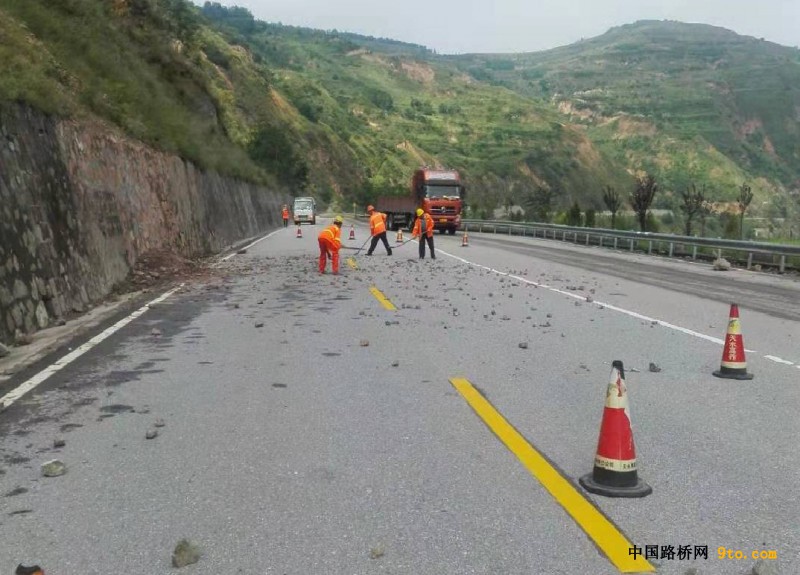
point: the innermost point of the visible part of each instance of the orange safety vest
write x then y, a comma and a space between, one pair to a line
418, 226
285, 213
333, 235
377, 223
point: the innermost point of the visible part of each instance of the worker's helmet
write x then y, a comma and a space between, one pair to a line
370, 209
338, 220
419, 211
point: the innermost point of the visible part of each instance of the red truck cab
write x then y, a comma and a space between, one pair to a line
441, 194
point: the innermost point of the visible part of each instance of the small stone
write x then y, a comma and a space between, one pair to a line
757, 267
377, 552
186, 553
151, 434
549, 315
589, 299
395, 363
523, 345
59, 442
259, 324
155, 332
4, 351
654, 368
236, 306
61, 321
493, 312
21, 339
721, 265
242, 251
53, 468
765, 568
159, 422
364, 343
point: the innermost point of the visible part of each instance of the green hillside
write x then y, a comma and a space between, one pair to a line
347, 117
688, 102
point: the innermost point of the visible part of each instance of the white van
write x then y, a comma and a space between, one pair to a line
304, 210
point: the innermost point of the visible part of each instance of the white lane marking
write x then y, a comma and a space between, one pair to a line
25, 387
613, 307
250, 245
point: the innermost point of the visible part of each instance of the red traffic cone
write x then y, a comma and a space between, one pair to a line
614, 473
465, 240
352, 233
299, 232
734, 365
399, 237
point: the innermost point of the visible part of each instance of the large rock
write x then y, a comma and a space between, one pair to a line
721, 265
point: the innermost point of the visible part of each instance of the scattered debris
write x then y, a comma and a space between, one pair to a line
654, 368
186, 553
53, 468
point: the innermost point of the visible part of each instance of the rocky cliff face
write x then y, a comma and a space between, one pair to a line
80, 204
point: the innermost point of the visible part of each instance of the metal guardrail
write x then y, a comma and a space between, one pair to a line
676, 245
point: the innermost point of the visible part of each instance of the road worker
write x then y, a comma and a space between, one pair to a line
285, 215
330, 240
423, 229
377, 227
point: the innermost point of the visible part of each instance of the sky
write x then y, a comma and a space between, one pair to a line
497, 26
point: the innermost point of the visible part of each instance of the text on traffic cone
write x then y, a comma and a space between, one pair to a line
734, 364
615, 471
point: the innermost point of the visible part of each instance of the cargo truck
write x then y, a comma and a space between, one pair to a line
437, 191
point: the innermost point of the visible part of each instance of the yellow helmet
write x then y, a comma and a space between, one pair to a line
419, 211
338, 220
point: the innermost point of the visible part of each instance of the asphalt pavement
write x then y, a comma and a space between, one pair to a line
304, 428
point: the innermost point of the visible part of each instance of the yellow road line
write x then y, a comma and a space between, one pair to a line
382, 298
352, 263
596, 525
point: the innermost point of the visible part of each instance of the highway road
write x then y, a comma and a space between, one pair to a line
412, 417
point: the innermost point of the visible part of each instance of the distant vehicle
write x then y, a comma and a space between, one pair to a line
439, 192
304, 210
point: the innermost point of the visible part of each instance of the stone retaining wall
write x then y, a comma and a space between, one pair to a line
80, 204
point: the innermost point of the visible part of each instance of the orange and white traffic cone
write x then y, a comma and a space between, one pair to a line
465, 240
614, 473
352, 233
399, 237
734, 365
299, 232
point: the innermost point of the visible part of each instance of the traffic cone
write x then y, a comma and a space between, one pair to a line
352, 233
465, 240
614, 473
299, 232
734, 365
399, 237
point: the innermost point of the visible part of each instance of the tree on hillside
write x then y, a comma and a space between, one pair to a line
613, 202
744, 199
539, 201
693, 202
574, 215
272, 150
642, 198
